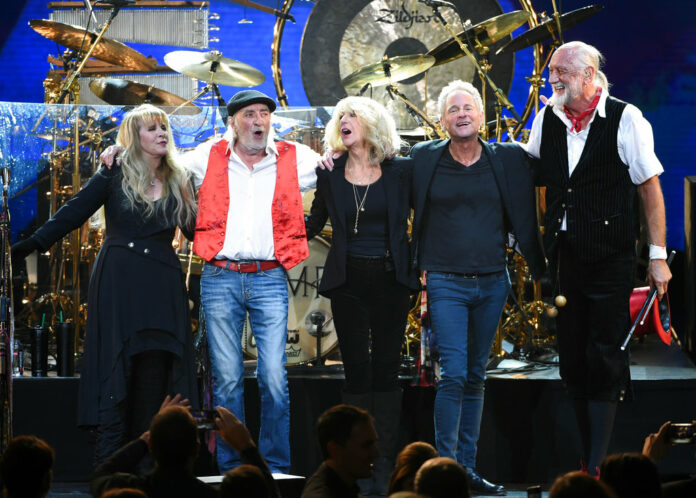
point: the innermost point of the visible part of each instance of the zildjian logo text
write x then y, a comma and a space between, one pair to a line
404, 16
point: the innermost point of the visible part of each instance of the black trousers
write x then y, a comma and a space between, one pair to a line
148, 384
593, 324
369, 313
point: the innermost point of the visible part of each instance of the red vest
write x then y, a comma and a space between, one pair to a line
289, 235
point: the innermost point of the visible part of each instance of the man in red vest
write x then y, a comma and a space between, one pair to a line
250, 230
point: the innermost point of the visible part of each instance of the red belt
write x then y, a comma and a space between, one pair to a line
248, 267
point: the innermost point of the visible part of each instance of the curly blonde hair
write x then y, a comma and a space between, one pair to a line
176, 185
379, 128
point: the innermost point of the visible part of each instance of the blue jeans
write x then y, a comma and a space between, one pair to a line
464, 313
226, 297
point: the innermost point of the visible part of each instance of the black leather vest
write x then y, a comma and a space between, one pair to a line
599, 198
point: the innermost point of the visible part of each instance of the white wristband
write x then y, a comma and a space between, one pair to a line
658, 252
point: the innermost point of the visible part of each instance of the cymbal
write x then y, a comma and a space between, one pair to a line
116, 91
77, 38
226, 71
400, 68
543, 30
485, 33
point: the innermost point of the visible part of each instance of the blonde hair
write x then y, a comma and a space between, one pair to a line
379, 128
176, 186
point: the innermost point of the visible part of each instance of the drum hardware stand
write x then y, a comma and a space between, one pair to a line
6, 318
317, 318
210, 87
485, 77
557, 18
278, 29
67, 86
431, 129
72, 86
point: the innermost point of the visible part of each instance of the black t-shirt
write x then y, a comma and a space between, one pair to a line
373, 233
464, 225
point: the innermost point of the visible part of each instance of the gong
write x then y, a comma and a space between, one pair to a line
342, 37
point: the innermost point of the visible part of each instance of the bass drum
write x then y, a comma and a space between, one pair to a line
305, 302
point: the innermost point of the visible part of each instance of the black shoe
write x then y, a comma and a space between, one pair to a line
479, 486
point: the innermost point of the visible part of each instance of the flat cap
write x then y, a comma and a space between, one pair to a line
249, 97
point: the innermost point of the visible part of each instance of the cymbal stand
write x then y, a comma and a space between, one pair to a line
71, 79
557, 19
502, 98
210, 87
431, 129
6, 317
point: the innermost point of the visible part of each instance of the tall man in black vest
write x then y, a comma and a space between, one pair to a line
595, 152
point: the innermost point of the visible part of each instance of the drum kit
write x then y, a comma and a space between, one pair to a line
476, 45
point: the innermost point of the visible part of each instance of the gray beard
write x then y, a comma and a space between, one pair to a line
559, 100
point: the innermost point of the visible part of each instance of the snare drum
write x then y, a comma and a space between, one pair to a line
303, 282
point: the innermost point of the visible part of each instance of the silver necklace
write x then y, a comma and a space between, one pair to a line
360, 203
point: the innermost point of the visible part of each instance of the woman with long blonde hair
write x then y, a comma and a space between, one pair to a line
367, 273
138, 344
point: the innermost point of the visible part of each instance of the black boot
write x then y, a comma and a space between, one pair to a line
387, 413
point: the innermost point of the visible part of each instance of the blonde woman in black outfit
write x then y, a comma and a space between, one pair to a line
367, 274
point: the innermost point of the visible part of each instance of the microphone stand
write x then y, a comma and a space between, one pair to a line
6, 318
483, 74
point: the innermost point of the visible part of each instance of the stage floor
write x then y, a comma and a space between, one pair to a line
527, 433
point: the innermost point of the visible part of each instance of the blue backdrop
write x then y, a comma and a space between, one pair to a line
649, 46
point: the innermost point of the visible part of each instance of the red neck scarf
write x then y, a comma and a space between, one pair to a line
577, 120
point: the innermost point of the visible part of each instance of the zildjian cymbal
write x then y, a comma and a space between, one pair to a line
116, 91
108, 50
212, 67
542, 31
481, 35
389, 70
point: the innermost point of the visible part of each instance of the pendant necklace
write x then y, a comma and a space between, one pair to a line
360, 203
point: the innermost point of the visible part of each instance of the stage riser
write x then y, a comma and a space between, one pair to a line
527, 434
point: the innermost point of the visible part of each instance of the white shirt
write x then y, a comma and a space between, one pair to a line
636, 146
249, 228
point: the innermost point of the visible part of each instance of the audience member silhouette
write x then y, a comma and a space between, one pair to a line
655, 447
442, 477
174, 444
348, 443
408, 461
580, 485
124, 493
631, 475
27, 468
244, 481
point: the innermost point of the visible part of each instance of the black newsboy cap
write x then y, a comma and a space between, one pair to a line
248, 97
